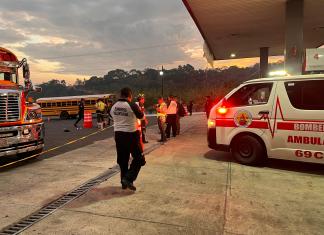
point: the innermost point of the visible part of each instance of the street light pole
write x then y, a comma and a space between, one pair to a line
162, 83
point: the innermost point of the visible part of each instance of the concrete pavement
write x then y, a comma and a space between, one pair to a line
185, 188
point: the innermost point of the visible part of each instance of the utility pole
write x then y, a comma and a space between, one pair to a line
162, 82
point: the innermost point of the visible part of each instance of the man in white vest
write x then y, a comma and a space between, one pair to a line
171, 118
125, 115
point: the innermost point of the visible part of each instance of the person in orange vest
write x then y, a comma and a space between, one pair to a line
161, 113
100, 110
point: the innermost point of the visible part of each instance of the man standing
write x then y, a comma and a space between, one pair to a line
125, 115
100, 109
107, 111
171, 118
161, 112
190, 107
80, 113
179, 113
140, 102
208, 105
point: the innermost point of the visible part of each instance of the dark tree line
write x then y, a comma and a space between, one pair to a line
185, 81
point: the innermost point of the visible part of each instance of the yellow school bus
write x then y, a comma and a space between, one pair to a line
68, 106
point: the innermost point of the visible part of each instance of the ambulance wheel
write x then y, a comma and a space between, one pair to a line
248, 150
64, 115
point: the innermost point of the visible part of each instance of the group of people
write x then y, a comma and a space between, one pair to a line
102, 110
130, 128
169, 113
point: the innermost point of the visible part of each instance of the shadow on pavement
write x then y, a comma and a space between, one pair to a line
302, 167
100, 194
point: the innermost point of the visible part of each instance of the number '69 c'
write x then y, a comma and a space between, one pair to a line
309, 154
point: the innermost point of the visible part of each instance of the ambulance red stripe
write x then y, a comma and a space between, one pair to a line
286, 125
230, 123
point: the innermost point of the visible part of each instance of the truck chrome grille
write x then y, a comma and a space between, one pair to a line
9, 107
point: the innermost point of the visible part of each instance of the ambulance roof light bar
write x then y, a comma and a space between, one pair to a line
278, 73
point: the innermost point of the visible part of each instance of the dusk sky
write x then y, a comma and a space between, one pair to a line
57, 35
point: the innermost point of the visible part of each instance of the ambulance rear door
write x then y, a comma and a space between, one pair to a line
298, 120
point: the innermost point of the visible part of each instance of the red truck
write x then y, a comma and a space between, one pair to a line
21, 123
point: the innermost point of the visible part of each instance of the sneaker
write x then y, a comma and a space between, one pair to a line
124, 186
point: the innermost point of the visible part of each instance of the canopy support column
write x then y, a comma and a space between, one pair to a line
294, 41
264, 56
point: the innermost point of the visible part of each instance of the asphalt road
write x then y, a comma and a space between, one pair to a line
59, 134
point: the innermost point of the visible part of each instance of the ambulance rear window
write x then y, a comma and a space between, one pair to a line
307, 95
251, 94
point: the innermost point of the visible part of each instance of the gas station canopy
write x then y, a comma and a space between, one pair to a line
242, 27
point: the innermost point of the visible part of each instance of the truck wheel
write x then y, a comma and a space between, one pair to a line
64, 115
248, 150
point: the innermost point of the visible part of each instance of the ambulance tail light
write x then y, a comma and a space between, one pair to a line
211, 123
222, 110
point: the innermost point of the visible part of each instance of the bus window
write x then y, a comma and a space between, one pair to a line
53, 104
93, 102
74, 103
59, 104
87, 102
42, 105
68, 103
48, 105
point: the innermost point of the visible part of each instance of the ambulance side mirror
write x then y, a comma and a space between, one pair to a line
38, 89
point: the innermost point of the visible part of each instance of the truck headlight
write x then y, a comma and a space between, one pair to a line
33, 115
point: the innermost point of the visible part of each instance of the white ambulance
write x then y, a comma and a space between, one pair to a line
271, 117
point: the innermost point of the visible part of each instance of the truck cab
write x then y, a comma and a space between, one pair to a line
21, 124
280, 117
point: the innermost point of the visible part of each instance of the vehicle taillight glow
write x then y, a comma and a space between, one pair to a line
211, 123
222, 110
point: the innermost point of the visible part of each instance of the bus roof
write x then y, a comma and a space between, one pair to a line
78, 97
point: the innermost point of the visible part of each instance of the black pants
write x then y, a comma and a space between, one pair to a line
161, 124
128, 143
144, 133
171, 122
100, 116
79, 118
178, 125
